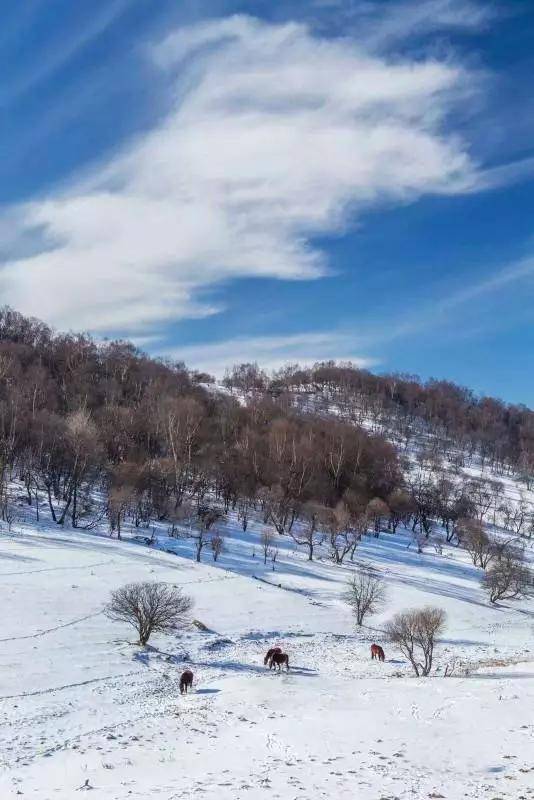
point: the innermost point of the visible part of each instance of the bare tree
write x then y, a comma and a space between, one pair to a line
419, 540
377, 510
482, 492
365, 594
342, 536
508, 578
414, 633
149, 607
306, 535
217, 545
201, 533
476, 541
119, 500
266, 540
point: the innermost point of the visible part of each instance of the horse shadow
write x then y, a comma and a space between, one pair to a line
305, 671
237, 666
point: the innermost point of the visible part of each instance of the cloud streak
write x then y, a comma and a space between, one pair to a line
273, 136
271, 352
60, 54
409, 18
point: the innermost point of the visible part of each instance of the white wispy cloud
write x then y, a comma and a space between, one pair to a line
274, 136
271, 352
61, 51
441, 311
433, 314
417, 18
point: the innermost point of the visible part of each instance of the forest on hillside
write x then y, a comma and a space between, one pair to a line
93, 432
461, 424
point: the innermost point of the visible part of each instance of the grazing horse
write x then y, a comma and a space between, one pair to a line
270, 653
277, 659
186, 681
377, 652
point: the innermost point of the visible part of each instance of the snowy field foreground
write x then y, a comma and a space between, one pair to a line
80, 703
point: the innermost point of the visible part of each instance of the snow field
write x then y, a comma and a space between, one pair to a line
80, 702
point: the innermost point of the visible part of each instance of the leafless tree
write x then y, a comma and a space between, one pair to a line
119, 500
419, 540
7, 509
516, 515
476, 541
217, 545
365, 594
266, 539
200, 530
483, 493
401, 507
306, 535
508, 578
414, 633
378, 510
149, 607
342, 535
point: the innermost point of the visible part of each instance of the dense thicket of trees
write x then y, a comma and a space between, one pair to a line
501, 435
80, 420
100, 431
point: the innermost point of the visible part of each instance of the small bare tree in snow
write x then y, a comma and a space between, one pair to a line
200, 531
119, 500
7, 510
149, 607
217, 545
306, 535
365, 594
414, 633
476, 541
419, 540
508, 578
266, 541
342, 536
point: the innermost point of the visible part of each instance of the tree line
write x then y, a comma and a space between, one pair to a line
463, 426
98, 431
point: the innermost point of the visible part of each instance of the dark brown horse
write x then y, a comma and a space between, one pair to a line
277, 659
186, 681
377, 652
270, 653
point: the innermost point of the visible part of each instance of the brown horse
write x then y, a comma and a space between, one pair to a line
186, 681
377, 652
277, 659
270, 653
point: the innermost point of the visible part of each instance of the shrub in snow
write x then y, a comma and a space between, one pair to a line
414, 633
217, 546
365, 594
476, 541
508, 578
149, 607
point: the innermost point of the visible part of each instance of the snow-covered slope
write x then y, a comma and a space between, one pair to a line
81, 704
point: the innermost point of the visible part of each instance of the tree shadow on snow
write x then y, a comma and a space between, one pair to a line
153, 653
440, 588
265, 636
465, 643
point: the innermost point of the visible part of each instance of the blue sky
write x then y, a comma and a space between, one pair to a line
294, 181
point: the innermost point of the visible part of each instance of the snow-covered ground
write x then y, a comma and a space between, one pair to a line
79, 702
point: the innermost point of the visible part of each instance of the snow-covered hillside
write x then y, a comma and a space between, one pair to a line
83, 707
